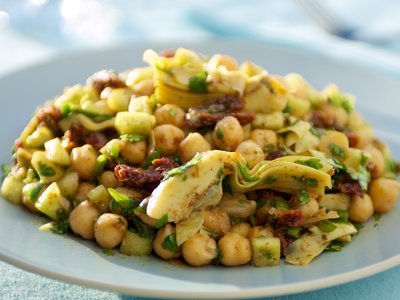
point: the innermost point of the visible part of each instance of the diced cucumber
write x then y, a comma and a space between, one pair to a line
11, 189
101, 198
266, 251
134, 244
51, 202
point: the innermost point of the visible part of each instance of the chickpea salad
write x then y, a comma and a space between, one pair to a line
203, 159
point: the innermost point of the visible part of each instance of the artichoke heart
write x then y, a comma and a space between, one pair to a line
198, 184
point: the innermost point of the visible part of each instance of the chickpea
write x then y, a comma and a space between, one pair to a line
235, 249
134, 153
384, 193
108, 179
228, 134
264, 137
162, 233
377, 160
170, 114
83, 160
223, 60
82, 219
331, 139
144, 88
192, 144
217, 221
199, 250
251, 152
208, 137
83, 189
361, 208
338, 113
168, 137
109, 230
242, 228
309, 209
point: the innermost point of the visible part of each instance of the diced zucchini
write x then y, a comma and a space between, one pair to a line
134, 122
266, 251
134, 244
142, 104
39, 137
48, 171
118, 99
51, 202
56, 153
101, 198
69, 184
274, 121
11, 189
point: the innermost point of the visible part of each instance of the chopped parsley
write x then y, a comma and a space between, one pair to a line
293, 232
121, 202
377, 216
210, 232
199, 83
235, 220
219, 257
153, 155
362, 176
271, 179
245, 173
142, 229
344, 101
312, 162
108, 251
343, 216
336, 150
304, 198
280, 204
335, 246
170, 244
60, 226
220, 134
161, 222
261, 202
182, 169
311, 182
172, 112
314, 131
33, 192
46, 170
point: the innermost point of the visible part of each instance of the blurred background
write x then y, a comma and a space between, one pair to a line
32, 29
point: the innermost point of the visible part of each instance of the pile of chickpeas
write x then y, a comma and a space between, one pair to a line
97, 221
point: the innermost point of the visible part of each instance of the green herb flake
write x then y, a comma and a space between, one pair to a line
293, 232
335, 246
304, 198
161, 222
198, 83
344, 101
46, 170
261, 202
172, 112
170, 244
210, 232
343, 216
123, 203
153, 155
142, 229
362, 176
271, 179
220, 134
314, 163
182, 169
33, 192
326, 226
310, 182
336, 150
61, 226
363, 159
314, 131
235, 220
377, 216
280, 204
132, 137
245, 173
219, 257
109, 252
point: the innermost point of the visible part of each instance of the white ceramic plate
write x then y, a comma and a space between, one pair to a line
81, 262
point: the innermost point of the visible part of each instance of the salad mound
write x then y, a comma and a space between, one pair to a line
203, 159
